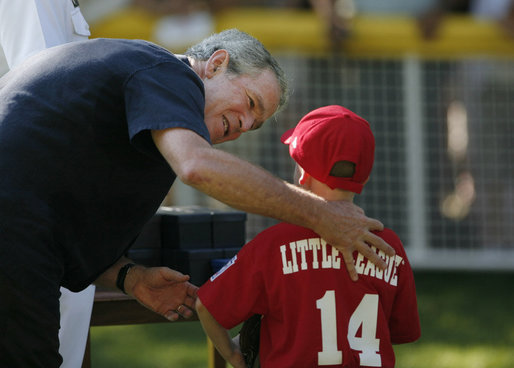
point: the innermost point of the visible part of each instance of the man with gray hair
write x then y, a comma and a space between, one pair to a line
92, 136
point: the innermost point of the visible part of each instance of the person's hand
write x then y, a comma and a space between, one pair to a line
162, 290
349, 230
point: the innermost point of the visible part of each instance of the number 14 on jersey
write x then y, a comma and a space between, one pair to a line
365, 315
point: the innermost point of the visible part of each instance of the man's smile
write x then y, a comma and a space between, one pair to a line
226, 126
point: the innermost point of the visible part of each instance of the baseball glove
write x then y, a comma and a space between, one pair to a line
249, 341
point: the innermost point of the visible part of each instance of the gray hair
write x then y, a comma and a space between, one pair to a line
247, 56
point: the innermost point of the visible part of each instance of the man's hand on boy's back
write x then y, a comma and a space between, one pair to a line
356, 234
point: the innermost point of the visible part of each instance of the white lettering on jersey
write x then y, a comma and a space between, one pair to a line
315, 245
379, 274
286, 265
302, 247
394, 278
309, 252
293, 253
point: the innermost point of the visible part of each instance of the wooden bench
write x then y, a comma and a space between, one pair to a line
115, 308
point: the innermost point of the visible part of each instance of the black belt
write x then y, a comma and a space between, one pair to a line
75, 3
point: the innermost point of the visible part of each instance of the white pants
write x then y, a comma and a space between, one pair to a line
75, 316
27, 27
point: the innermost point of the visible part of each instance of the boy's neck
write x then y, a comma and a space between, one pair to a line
329, 194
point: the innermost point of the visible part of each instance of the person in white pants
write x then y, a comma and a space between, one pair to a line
27, 27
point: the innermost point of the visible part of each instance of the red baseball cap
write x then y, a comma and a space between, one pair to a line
330, 134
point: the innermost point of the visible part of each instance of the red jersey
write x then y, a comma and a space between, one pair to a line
313, 313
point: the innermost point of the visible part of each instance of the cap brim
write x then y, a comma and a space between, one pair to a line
286, 137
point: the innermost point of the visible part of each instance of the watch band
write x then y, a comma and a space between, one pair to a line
122, 274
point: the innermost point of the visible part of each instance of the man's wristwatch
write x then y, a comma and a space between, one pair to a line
122, 274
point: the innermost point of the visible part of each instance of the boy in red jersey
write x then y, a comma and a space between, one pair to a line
313, 314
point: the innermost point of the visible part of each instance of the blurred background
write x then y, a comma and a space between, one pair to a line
435, 79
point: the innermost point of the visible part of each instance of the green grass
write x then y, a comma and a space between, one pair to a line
153, 345
467, 321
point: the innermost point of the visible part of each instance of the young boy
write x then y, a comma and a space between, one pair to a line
313, 314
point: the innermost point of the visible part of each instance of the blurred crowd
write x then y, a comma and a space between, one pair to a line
186, 17
176, 24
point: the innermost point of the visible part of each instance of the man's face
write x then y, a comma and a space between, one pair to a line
236, 104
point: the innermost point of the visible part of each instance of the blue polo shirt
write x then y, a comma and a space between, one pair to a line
79, 172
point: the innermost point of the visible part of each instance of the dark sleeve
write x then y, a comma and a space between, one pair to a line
166, 95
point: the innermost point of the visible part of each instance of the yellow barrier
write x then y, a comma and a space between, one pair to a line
282, 30
130, 22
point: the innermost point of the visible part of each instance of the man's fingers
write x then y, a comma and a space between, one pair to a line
172, 316
190, 302
375, 224
192, 291
379, 243
173, 275
185, 310
370, 254
350, 266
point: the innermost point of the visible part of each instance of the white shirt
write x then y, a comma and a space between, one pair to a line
29, 26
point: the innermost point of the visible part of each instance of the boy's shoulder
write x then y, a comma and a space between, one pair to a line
283, 231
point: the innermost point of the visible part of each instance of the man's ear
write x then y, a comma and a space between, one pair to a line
216, 63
